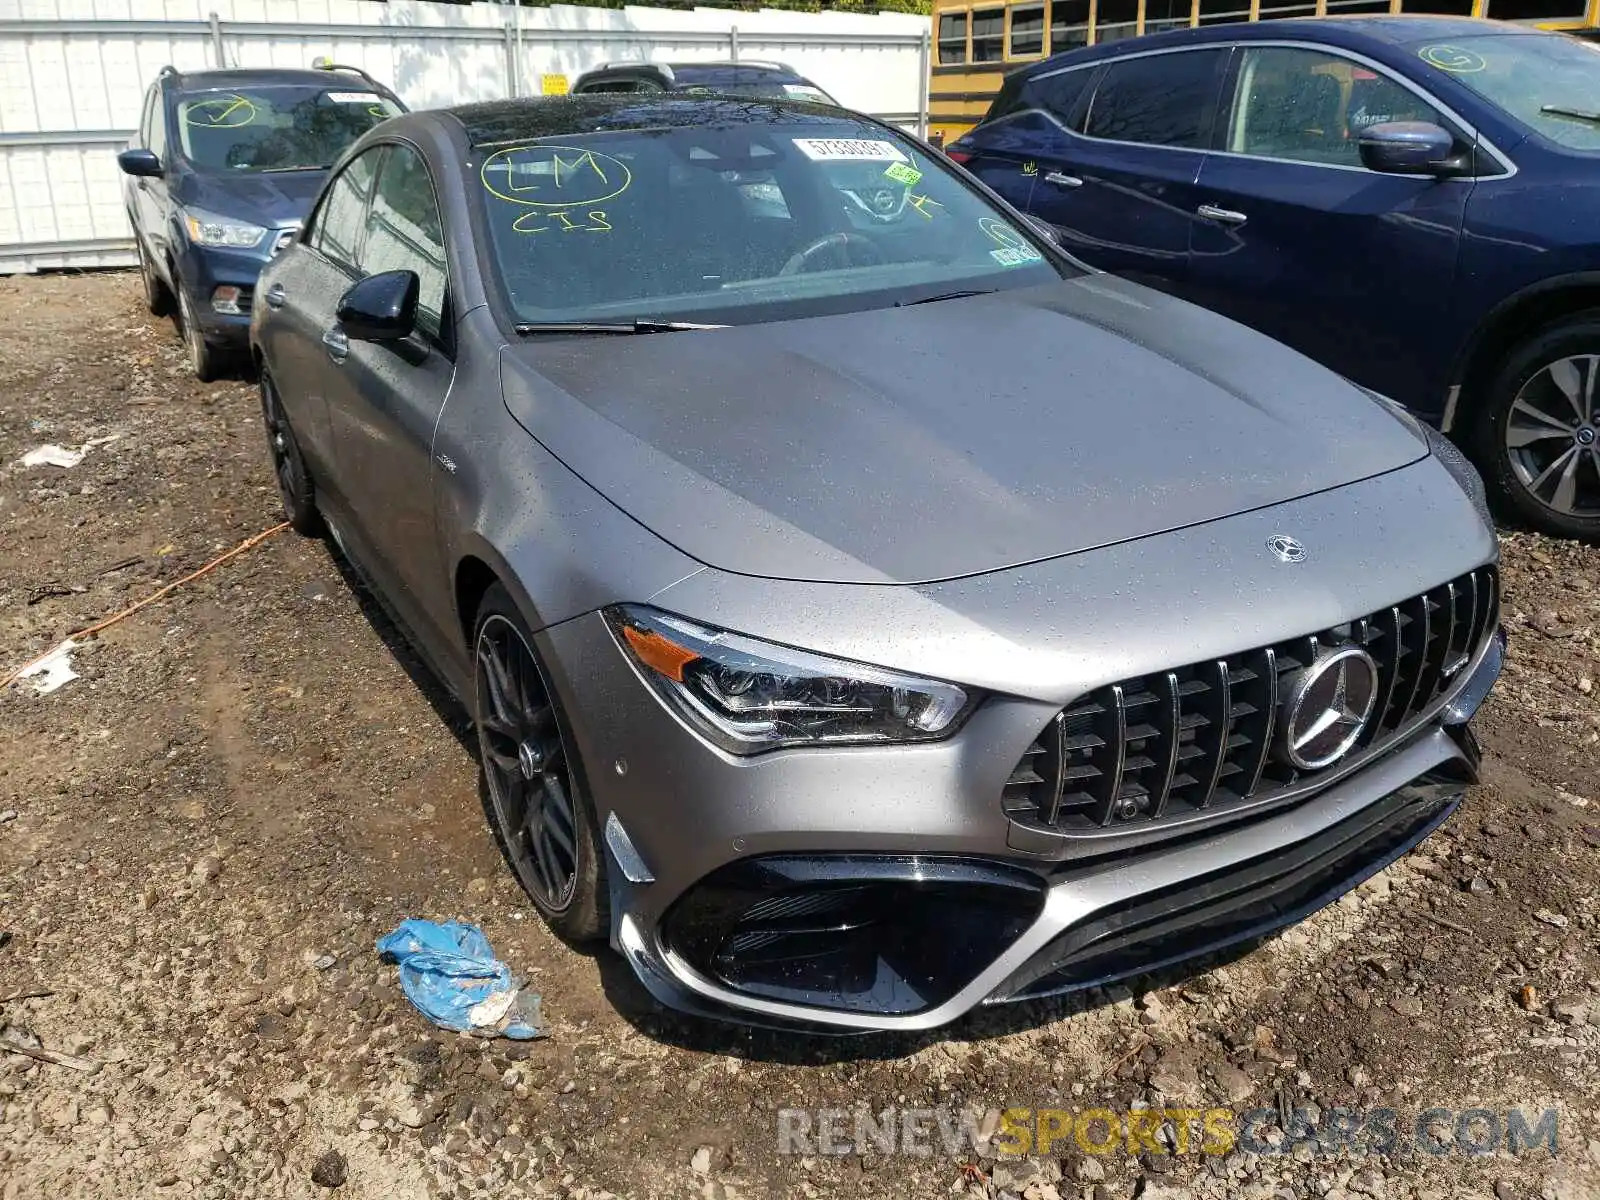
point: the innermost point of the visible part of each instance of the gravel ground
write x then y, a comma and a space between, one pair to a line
254, 777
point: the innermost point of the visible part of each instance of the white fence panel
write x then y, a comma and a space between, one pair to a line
73, 75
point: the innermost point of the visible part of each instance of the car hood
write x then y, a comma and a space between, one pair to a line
268, 199
948, 439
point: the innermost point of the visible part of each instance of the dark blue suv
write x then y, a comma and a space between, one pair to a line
1415, 201
221, 174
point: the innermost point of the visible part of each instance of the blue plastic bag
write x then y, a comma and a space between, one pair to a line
449, 972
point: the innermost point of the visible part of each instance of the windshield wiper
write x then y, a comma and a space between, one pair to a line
1576, 114
640, 326
956, 295
307, 167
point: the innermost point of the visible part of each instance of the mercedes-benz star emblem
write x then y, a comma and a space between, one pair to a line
1327, 707
1285, 548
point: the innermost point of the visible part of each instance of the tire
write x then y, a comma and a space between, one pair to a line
156, 296
523, 746
1538, 430
205, 360
295, 486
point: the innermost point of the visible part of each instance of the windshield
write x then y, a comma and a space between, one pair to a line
733, 222
276, 128
1529, 76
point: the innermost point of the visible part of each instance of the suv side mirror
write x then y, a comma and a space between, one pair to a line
139, 162
1410, 148
381, 308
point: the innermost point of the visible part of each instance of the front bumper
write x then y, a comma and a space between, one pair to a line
203, 269
896, 834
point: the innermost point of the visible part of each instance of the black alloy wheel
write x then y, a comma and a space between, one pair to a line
533, 791
295, 488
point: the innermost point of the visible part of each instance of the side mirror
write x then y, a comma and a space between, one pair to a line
139, 162
1410, 148
381, 308
1044, 229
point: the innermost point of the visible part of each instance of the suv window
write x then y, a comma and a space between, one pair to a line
156, 140
1062, 95
276, 127
1311, 106
1158, 99
404, 232
336, 227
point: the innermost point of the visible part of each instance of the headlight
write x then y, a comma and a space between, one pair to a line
749, 696
208, 229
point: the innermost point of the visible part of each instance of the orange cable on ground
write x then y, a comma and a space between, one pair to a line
94, 629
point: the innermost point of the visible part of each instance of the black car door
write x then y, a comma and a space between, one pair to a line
1122, 192
302, 297
384, 399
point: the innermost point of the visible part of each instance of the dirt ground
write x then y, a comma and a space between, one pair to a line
254, 774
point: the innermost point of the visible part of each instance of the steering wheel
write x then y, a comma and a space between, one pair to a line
838, 243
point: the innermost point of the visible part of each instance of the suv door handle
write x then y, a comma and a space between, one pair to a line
1057, 177
337, 343
1225, 216
275, 296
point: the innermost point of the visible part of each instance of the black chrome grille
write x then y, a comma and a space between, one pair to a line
1201, 736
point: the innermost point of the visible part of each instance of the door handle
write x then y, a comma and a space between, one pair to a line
337, 343
1069, 181
1224, 216
275, 296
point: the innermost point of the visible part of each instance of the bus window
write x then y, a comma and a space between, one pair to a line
1220, 12
1536, 10
1348, 7
1069, 25
1447, 8
1277, 12
1161, 15
1027, 31
988, 35
953, 38
1116, 19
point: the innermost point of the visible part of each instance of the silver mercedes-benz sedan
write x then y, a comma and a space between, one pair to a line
867, 612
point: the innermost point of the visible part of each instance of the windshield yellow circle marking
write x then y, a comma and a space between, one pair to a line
1453, 59
566, 176
221, 112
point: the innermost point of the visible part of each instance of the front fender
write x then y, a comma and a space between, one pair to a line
560, 548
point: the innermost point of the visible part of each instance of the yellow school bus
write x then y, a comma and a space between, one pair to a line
976, 42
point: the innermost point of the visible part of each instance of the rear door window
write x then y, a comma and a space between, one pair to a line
1158, 99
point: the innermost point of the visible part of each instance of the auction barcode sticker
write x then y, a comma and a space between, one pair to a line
849, 150
352, 97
